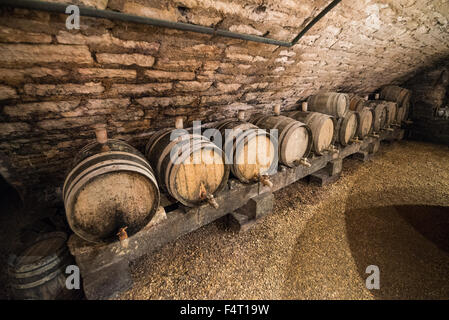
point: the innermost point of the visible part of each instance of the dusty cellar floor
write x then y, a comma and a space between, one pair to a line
392, 211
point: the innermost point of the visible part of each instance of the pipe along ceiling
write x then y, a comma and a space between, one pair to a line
113, 15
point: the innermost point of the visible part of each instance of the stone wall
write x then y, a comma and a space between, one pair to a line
430, 104
56, 83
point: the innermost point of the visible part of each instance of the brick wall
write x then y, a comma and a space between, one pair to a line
55, 83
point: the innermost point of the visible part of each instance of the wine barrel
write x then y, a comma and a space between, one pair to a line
294, 137
396, 94
365, 122
38, 273
252, 150
356, 103
322, 127
188, 166
111, 186
364, 116
331, 103
400, 114
391, 112
346, 128
380, 114
399, 95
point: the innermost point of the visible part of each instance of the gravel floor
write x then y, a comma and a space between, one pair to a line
318, 241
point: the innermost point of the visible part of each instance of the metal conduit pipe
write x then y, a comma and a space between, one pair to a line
113, 15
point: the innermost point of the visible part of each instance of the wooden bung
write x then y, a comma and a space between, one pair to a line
101, 133
179, 123
277, 109
241, 115
304, 106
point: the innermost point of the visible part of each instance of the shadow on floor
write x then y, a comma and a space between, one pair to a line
410, 246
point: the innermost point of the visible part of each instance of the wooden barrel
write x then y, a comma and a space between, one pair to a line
399, 95
400, 114
365, 122
294, 137
391, 112
356, 103
380, 114
38, 273
188, 166
111, 186
396, 94
331, 103
346, 128
251, 150
364, 116
322, 127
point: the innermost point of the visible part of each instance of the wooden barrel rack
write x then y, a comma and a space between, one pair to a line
243, 203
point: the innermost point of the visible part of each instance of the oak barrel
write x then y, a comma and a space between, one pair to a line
364, 116
346, 128
111, 186
294, 137
365, 122
399, 95
322, 127
356, 103
38, 273
331, 103
380, 114
188, 166
391, 112
400, 114
251, 150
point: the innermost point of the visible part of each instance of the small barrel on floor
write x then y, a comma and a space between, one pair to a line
188, 166
252, 150
39, 272
110, 186
322, 127
294, 137
331, 103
